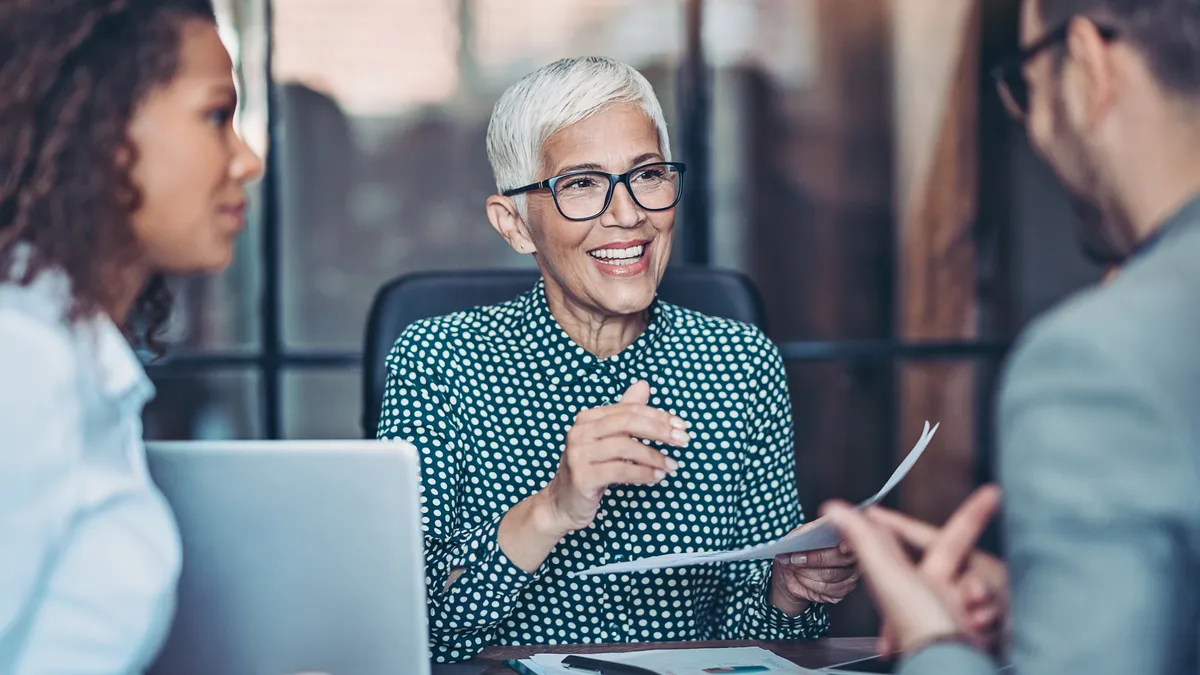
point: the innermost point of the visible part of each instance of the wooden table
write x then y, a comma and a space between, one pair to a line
810, 654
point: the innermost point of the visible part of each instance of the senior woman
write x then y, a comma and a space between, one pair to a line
586, 422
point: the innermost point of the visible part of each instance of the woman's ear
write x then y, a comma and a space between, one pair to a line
504, 216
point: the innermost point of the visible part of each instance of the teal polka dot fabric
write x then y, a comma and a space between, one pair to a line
488, 396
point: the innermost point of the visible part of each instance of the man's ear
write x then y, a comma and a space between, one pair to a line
504, 216
1097, 71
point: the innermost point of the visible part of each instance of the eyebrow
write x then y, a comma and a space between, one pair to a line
224, 90
637, 161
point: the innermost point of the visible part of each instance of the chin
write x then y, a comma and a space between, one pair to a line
215, 262
631, 299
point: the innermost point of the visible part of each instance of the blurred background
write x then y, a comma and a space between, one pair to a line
850, 156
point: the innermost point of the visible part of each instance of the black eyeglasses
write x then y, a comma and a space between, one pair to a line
584, 195
1010, 73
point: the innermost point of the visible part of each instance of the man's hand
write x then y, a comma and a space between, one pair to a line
982, 584
918, 603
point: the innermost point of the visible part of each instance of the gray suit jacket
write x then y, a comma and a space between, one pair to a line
1099, 458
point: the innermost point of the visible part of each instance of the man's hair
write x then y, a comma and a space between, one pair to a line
553, 98
1166, 32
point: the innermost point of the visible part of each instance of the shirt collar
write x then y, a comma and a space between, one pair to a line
561, 357
104, 348
120, 371
1186, 217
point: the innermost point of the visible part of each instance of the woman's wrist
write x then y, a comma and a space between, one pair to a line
543, 518
528, 534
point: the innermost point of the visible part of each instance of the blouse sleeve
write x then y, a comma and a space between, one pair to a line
770, 508
464, 617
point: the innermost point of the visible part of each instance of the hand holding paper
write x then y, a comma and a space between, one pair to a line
819, 536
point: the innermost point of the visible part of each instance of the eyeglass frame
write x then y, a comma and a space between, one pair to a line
1016, 62
613, 180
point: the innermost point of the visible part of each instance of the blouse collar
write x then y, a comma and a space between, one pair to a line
118, 369
562, 358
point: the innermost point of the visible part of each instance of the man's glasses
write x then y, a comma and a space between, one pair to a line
1010, 73
584, 195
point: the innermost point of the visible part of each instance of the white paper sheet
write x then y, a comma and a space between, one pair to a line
821, 535
682, 661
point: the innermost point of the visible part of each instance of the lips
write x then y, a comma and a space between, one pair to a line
236, 211
622, 258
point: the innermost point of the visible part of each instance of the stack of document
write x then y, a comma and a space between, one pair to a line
724, 661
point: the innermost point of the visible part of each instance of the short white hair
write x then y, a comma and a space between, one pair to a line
553, 98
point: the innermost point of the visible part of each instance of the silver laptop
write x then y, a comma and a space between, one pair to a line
298, 557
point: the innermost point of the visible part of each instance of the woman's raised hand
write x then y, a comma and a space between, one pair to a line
605, 448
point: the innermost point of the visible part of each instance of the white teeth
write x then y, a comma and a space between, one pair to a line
620, 256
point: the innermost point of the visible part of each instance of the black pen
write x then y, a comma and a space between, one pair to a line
604, 667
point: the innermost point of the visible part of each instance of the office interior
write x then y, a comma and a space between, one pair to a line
850, 157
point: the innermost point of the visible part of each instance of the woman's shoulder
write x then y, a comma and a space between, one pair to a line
692, 326
464, 331
37, 346
34, 316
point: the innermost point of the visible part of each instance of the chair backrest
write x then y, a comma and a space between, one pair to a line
413, 297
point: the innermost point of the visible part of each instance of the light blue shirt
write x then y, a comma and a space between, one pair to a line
89, 550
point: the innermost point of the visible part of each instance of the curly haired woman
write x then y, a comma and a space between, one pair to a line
119, 164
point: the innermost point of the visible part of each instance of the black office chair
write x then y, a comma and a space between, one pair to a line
412, 297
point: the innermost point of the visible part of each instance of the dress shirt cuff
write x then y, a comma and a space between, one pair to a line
488, 565
947, 657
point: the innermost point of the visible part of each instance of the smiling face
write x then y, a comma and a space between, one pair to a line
611, 265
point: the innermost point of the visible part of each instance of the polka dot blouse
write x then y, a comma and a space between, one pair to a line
488, 396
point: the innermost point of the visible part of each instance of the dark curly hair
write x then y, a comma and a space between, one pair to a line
72, 74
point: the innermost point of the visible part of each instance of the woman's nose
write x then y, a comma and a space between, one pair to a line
623, 211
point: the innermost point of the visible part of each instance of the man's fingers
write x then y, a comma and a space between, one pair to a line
887, 569
916, 533
887, 640
981, 619
900, 593
948, 555
975, 591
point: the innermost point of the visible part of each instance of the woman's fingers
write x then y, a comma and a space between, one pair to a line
624, 473
632, 420
625, 450
638, 392
826, 557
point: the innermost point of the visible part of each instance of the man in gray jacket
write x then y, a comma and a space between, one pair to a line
1099, 421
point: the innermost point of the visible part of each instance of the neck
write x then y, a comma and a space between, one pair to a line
600, 334
132, 280
1164, 181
